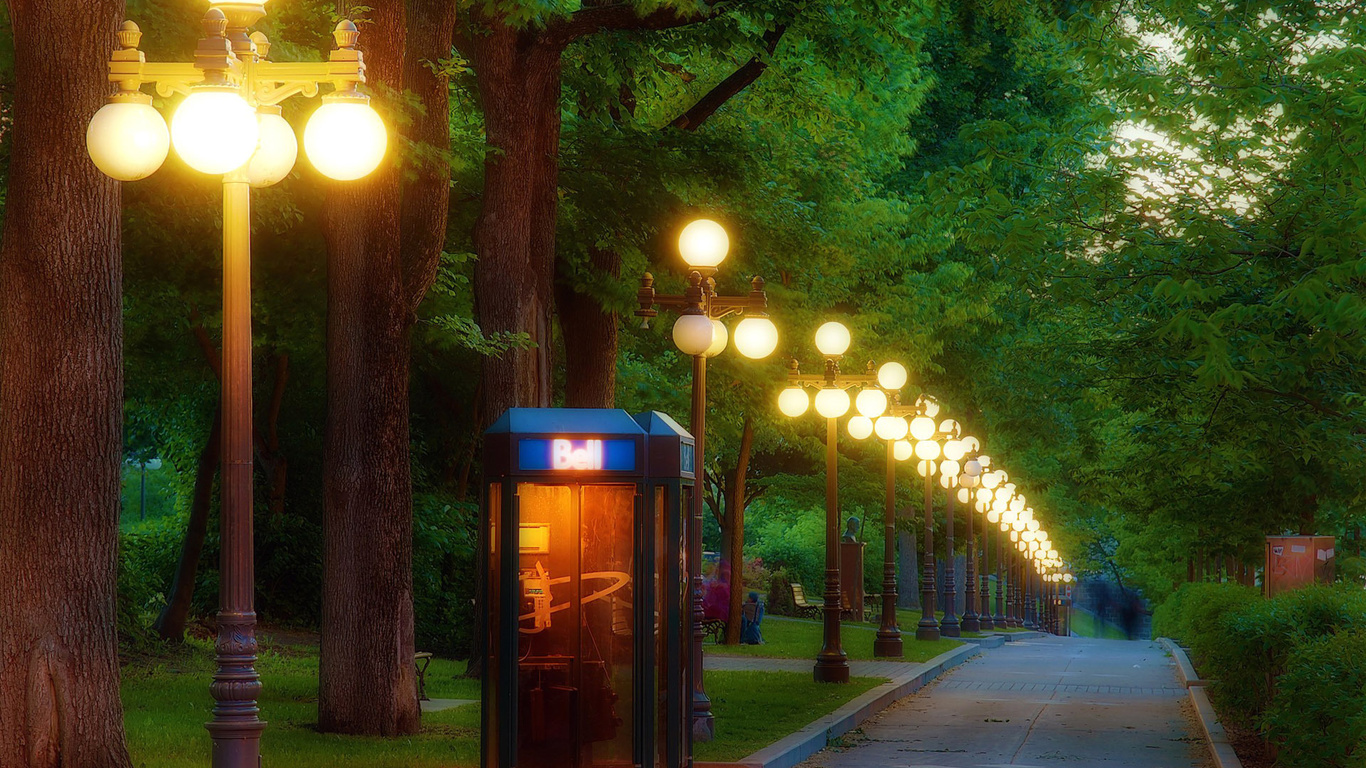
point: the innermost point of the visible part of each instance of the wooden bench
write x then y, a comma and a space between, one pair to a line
799, 602
715, 629
422, 660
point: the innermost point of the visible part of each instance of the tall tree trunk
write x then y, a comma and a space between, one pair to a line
514, 235
590, 338
171, 623
61, 401
384, 246
736, 520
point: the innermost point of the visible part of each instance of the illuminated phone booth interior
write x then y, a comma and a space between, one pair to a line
588, 641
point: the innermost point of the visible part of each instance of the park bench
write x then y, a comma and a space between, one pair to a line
799, 602
715, 629
422, 660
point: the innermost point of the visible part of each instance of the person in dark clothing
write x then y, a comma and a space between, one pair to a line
751, 615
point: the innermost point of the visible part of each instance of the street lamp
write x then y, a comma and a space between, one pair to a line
229, 124
928, 436
968, 481
891, 427
699, 333
831, 402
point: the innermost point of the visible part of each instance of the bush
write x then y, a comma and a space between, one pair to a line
444, 536
1318, 717
1192, 613
1254, 643
780, 594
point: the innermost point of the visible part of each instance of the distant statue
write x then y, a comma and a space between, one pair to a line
851, 530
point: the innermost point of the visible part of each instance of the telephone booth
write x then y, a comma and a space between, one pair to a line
588, 590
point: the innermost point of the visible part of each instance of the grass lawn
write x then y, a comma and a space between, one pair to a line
788, 638
1086, 625
166, 703
755, 709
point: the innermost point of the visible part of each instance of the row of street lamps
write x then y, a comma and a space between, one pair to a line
909, 430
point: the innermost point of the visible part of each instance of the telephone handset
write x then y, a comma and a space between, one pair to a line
536, 587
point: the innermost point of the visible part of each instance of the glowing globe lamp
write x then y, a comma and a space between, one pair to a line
832, 402
891, 427
215, 130
871, 403
704, 244
793, 401
832, 339
922, 428
694, 334
127, 139
345, 139
276, 150
902, 450
719, 338
891, 376
756, 337
860, 427
927, 450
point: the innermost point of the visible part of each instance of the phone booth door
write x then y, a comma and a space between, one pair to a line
576, 647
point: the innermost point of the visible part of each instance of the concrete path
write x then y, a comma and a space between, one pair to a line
1048, 702
887, 669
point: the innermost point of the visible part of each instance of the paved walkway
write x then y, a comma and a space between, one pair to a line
887, 669
1049, 702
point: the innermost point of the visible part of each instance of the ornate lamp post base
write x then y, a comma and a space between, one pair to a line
889, 647
831, 669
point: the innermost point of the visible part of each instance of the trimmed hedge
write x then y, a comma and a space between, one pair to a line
1318, 715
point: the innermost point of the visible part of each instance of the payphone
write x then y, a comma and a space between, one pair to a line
588, 590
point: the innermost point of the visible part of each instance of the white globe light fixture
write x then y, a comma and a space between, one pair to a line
128, 139
973, 467
276, 151
793, 401
215, 130
694, 334
949, 467
892, 376
756, 337
871, 403
955, 450
964, 495
902, 450
720, 337
922, 428
345, 139
891, 427
927, 449
926, 468
832, 402
704, 244
832, 339
860, 427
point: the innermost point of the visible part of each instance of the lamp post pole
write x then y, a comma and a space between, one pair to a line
888, 642
985, 577
928, 627
971, 621
1030, 621
232, 92
703, 244
949, 626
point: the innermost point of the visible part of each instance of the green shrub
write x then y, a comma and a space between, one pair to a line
1192, 613
1318, 716
444, 536
1256, 640
780, 594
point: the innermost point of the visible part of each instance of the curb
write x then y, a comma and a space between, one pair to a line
1215, 736
1015, 637
796, 747
990, 641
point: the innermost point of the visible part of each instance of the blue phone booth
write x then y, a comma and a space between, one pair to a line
588, 590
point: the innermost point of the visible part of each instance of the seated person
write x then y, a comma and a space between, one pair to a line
751, 614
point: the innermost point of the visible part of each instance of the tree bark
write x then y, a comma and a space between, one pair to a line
590, 338
171, 623
384, 245
514, 235
736, 520
61, 401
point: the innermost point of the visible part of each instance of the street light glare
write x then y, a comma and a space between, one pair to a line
860, 427
720, 337
276, 152
891, 427
927, 449
215, 130
892, 376
922, 427
832, 402
345, 139
703, 244
128, 139
756, 337
871, 402
832, 339
793, 401
903, 450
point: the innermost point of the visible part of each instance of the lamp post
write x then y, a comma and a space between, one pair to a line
971, 479
926, 433
832, 402
700, 334
951, 474
229, 125
892, 427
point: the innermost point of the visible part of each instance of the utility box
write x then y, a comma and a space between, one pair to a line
589, 640
1294, 561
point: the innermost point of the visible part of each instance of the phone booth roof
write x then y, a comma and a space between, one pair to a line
587, 441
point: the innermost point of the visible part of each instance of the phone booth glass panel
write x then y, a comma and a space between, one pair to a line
580, 665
